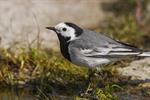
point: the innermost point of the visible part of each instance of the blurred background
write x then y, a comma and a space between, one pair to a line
23, 22
30, 54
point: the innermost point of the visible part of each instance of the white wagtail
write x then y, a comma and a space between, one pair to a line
87, 48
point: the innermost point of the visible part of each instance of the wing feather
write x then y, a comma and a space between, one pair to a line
104, 46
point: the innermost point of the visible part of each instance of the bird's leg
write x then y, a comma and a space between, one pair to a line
99, 75
89, 82
85, 91
92, 81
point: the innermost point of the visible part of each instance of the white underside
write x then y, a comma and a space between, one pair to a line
92, 62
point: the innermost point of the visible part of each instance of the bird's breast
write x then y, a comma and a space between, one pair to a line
64, 51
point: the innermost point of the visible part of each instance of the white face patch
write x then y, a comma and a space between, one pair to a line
66, 31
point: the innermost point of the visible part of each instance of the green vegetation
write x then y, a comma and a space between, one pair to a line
47, 75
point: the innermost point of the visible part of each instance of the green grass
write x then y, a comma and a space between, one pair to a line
48, 75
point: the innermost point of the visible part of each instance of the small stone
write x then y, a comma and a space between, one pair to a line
145, 85
138, 70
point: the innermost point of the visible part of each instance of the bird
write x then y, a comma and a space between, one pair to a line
87, 48
84, 47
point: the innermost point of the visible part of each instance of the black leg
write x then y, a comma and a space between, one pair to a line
84, 92
92, 82
89, 83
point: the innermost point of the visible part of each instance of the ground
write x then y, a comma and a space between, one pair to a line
43, 73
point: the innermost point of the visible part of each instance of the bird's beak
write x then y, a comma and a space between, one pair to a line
51, 28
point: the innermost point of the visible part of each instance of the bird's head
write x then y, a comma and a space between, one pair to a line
67, 31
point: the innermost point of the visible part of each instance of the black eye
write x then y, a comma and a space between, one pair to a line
64, 29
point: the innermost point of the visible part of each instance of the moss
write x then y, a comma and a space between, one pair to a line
45, 73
